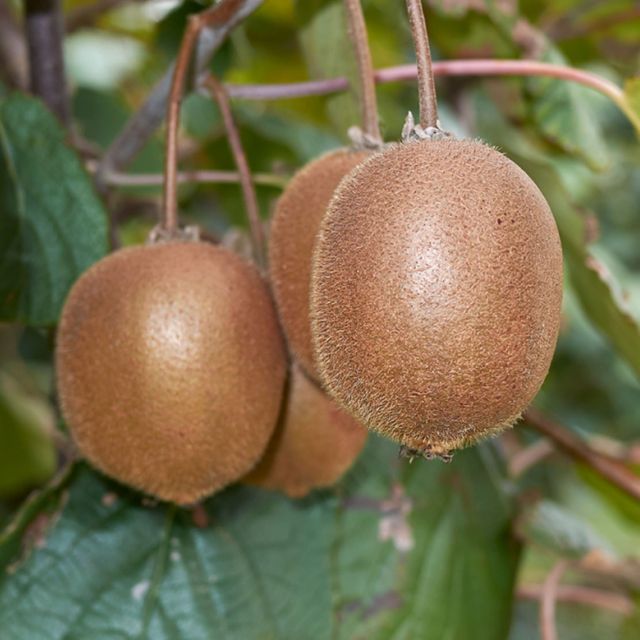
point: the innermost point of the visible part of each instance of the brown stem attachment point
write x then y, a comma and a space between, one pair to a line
360, 42
426, 84
44, 31
609, 468
218, 92
548, 601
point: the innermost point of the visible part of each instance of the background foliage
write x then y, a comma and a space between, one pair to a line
396, 550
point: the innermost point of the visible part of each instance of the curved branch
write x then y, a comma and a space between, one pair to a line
360, 42
217, 91
548, 601
480, 67
609, 468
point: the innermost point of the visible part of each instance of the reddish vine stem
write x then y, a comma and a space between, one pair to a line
217, 15
360, 42
119, 179
426, 84
548, 601
218, 92
170, 193
577, 594
609, 468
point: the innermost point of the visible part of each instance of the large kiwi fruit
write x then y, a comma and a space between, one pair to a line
171, 367
292, 237
315, 443
436, 293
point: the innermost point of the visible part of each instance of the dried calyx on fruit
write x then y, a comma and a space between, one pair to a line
171, 367
436, 291
313, 446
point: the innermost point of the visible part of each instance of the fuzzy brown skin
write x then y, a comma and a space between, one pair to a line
171, 367
314, 445
436, 293
292, 237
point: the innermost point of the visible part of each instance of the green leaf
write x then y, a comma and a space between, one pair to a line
424, 550
27, 454
112, 567
562, 111
328, 52
52, 225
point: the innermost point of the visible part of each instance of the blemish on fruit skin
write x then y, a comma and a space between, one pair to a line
139, 590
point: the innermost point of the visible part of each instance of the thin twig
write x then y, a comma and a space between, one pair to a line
146, 120
529, 457
119, 179
360, 43
548, 601
44, 30
587, 596
480, 67
426, 84
217, 91
216, 16
609, 468
170, 192
87, 15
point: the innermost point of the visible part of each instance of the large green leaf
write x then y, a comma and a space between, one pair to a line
424, 550
421, 550
52, 225
112, 567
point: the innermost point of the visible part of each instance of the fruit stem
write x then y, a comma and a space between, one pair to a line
360, 43
169, 220
217, 15
426, 84
609, 468
219, 93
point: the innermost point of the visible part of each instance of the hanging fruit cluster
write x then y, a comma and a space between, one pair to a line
418, 285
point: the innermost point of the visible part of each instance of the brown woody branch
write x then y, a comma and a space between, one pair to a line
143, 124
45, 34
609, 468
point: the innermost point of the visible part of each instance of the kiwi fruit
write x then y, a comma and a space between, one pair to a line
171, 368
436, 293
315, 443
292, 237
